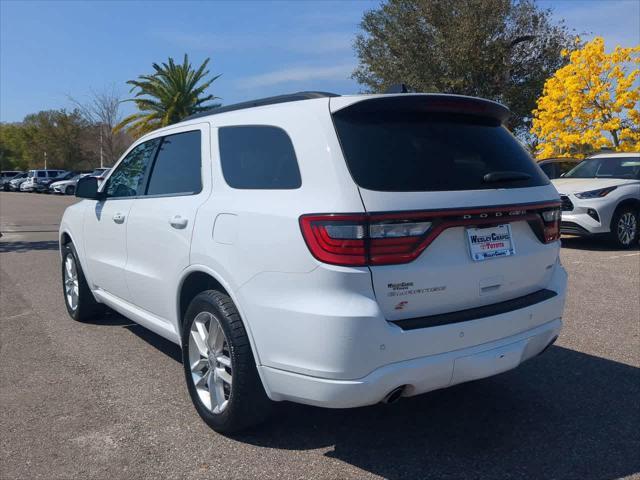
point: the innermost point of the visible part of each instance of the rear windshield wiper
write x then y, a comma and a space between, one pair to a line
505, 176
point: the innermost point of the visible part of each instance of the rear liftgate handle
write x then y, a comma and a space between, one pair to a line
178, 222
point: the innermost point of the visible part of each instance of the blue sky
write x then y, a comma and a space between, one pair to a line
51, 49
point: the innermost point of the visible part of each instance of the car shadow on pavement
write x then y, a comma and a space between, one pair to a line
23, 247
595, 244
170, 349
564, 414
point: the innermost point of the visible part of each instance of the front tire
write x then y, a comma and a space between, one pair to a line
70, 190
624, 227
219, 367
80, 303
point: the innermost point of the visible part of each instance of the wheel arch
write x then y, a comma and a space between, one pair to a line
198, 278
64, 238
627, 202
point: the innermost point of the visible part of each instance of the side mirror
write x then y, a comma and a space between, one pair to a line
87, 187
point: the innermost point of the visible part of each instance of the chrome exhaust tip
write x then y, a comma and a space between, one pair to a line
394, 395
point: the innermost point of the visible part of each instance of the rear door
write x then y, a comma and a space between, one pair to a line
454, 201
161, 220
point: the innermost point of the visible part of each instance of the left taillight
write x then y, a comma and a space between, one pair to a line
360, 240
551, 222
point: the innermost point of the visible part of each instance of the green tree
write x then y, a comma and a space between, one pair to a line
168, 95
498, 49
61, 135
12, 147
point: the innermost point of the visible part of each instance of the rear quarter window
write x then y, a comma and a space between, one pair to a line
258, 157
419, 151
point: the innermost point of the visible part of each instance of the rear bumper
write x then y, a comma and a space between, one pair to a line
418, 375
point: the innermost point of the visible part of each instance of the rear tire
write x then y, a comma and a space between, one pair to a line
624, 227
80, 303
219, 367
70, 190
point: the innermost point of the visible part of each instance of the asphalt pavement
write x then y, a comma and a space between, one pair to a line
107, 399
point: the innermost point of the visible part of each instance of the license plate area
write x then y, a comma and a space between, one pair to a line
490, 242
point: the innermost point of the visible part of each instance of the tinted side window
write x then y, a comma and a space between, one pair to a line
128, 178
566, 166
42, 174
177, 168
258, 157
548, 169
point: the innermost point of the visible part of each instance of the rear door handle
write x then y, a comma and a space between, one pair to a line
178, 222
118, 217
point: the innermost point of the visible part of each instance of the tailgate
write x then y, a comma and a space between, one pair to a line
445, 278
480, 218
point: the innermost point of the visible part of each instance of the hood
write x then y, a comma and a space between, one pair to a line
61, 182
572, 185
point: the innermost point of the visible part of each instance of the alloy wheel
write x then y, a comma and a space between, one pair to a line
71, 286
210, 362
627, 227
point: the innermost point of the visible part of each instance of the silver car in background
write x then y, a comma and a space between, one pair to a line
66, 187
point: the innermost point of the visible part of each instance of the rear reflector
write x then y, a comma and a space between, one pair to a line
387, 239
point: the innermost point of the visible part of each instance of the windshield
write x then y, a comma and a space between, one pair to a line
607, 167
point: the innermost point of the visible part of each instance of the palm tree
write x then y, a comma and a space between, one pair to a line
167, 96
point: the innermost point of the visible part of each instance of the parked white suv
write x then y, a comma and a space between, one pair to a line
602, 196
35, 176
330, 250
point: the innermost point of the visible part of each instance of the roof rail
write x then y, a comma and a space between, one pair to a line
291, 97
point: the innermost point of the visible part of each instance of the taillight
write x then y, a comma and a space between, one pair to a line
551, 221
336, 239
394, 238
360, 240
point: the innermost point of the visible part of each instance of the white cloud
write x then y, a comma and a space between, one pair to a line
307, 43
320, 43
296, 74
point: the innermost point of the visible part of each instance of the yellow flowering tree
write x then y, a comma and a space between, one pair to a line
591, 103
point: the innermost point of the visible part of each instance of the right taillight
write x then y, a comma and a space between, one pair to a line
551, 221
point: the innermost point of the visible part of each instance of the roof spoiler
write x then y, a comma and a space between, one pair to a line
424, 103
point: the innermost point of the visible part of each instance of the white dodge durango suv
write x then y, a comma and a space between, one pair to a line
330, 250
602, 196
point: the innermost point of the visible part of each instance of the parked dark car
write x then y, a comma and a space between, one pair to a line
556, 167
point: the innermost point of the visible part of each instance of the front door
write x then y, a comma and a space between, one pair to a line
105, 225
161, 221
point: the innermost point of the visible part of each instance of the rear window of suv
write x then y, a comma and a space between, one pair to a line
402, 151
